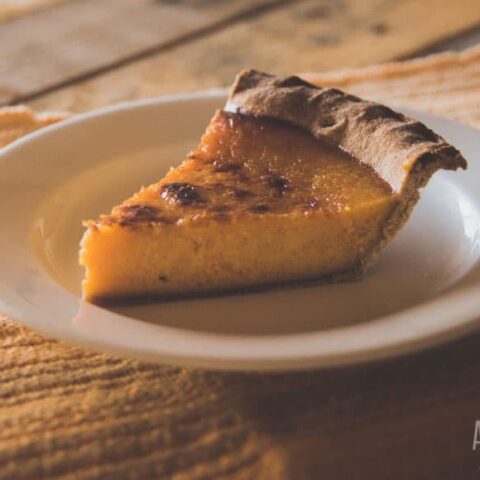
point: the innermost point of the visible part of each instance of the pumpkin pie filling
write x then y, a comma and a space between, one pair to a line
262, 200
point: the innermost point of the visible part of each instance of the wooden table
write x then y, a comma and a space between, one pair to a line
79, 55
409, 418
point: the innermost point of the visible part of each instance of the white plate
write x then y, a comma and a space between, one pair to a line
424, 290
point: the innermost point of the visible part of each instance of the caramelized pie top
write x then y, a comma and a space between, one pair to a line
254, 166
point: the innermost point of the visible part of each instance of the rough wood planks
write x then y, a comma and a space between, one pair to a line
68, 413
446, 84
13, 8
305, 36
77, 38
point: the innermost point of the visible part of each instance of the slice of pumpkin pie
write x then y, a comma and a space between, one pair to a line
289, 183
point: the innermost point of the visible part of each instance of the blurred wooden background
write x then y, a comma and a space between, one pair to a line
81, 54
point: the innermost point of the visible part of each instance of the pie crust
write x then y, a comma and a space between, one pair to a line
401, 150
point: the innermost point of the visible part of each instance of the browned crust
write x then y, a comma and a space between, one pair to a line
387, 141
419, 176
403, 151
137, 299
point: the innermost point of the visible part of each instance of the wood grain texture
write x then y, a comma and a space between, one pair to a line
446, 84
77, 38
66, 413
303, 36
10, 9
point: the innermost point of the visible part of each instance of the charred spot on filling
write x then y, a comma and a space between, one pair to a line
222, 166
279, 184
259, 208
221, 208
138, 213
218, 187
220, 211
163, 278
181, 193
241, 194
